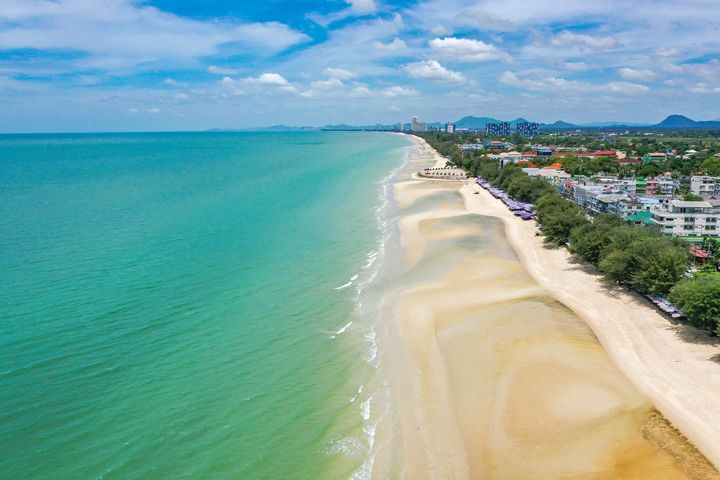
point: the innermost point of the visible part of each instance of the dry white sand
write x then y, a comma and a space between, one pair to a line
675, 366
467, 361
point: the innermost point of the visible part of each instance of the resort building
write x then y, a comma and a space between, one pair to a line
688, 219
528, 129
417, 126
499, 129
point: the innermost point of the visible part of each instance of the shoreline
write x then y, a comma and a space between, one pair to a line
680, 376
473, 334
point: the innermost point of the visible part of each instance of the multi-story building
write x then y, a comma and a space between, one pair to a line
497, 129
450, 127
688, 219
705, 186
417, 126
528, 129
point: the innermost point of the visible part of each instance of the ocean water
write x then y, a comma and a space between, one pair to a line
179, 304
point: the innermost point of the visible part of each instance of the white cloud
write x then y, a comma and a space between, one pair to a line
222, 70
339, 73
667, 52
432, 70
362, 7
569, 39
395, 45
704, 88
398, 91
271, 79
636, 74
173, 82
576, 66
625, 88
466, 49
121, 34
355, 8
551, 83
181, 96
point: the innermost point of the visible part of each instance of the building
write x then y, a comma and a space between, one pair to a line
655, 156
527, 129
450, 127
705, 186
499, 129
417, 126
506, 158
688, 219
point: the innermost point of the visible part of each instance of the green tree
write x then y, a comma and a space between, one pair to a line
711, 166
658, 264
558, 217
698, 299
527, 189
691, 197
589, 240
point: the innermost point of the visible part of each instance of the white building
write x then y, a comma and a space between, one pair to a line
688, 219
506, 158
417, 126
450, 127
705, 186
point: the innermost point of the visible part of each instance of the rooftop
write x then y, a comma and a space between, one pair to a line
693, 204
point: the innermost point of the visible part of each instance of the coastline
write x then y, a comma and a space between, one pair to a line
473, 332
674, 365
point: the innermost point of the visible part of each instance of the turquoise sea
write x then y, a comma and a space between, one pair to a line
174, 305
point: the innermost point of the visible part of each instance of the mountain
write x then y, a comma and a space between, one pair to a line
474, 123
559, 125
680, 122
676, 122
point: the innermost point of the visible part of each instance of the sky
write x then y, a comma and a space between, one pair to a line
134, 65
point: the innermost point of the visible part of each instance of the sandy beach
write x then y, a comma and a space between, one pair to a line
498, 369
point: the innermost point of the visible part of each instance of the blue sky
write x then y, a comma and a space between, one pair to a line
109, 65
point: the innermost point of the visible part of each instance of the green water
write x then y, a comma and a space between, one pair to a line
168, 302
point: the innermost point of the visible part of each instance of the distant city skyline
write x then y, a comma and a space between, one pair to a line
130, 65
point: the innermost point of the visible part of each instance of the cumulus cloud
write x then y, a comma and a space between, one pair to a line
339, 73
569, 39
636, 74
466, 49
395, 45
432, 70
270, 80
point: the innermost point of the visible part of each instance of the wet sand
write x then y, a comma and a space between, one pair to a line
491, 376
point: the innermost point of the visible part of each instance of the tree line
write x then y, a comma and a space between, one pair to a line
639, 257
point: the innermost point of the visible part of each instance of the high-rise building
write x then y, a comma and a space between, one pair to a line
417, 126
497, 129
528, 129
450, 127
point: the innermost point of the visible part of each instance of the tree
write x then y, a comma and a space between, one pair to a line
698, 299
691, 197
711, 166
589, 240
558, 217
527, 189
658, 264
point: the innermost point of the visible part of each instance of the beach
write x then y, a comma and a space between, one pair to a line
511, 361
